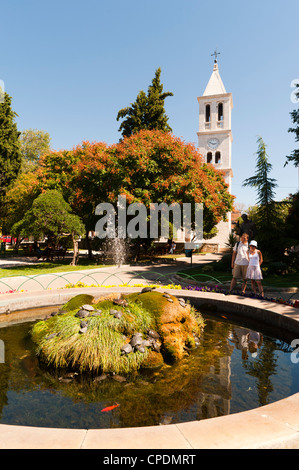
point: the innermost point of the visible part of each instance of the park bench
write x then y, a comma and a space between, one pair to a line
58, 254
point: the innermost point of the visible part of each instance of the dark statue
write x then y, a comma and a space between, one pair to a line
247, 226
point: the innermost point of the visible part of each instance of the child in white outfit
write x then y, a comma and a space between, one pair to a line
254, 272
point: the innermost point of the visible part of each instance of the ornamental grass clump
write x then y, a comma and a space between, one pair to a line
98, 336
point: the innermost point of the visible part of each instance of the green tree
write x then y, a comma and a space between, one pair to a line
33, 144
268, 213
18, 199
51, 216
155, 166
149, 166
10, 154
292, 221
83, 175
294, 157
148, 110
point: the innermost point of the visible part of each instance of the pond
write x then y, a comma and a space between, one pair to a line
236, 367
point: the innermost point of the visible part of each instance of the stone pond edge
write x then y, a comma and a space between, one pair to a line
274, 426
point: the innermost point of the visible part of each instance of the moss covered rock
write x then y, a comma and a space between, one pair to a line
175, 321
77, 302
167, 329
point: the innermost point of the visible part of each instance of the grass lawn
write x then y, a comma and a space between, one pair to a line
275, 280
47, 268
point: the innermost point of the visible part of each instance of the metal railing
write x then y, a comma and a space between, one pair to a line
202, 282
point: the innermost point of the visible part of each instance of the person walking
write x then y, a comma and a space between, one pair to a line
254, 272
240, 262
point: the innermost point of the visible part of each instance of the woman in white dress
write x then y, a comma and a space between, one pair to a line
254, 272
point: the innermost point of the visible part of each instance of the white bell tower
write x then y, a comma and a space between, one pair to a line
215, 137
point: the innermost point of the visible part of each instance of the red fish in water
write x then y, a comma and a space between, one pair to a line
109, 408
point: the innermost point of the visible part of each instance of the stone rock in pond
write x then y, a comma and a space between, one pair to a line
140, 348
122, 302
83, 330
70, 375
113, 311
51, 336
146, 289
136, 340
118, 314
97, 313
126, 349
153, 334
82, 313
87, 307
155, 346
83, 324
119, 378
100, 378
65, 380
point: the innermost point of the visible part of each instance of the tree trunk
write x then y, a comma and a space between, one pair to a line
17, 244
75, 259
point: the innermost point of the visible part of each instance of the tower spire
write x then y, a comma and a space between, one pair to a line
215, 54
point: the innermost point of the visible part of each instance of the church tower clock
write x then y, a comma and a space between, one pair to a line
215, 136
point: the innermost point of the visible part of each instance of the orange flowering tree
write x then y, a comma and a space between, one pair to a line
149, 166
156, 166
82, 175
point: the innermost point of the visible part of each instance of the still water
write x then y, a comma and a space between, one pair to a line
235, 368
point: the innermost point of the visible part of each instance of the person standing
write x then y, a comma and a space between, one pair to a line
240, 262
254, 272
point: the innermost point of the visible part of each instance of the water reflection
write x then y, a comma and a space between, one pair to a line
234, 369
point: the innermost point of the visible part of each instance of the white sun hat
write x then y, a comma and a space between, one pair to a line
253, 243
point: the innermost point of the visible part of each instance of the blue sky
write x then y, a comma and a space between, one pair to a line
70, 66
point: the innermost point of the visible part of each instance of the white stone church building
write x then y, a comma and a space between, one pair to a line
215, 139
215, 145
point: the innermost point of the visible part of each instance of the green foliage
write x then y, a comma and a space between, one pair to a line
261, 181
277, 267
33, 144
77, 302
18, 199
268, 214
294, 157
291, 225
51, 216
60, 343
232, 240
83, 175
99, 348
155, 166
148, 110
10, 155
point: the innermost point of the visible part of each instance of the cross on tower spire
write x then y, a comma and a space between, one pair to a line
215, 54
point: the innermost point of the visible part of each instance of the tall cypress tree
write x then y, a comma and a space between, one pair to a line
10, 154
147, 112
268, 217
294, 157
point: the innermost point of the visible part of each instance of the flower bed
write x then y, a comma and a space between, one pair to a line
222, 290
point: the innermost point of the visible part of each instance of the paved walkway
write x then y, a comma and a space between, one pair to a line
110, 275
271, 426
116, 275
